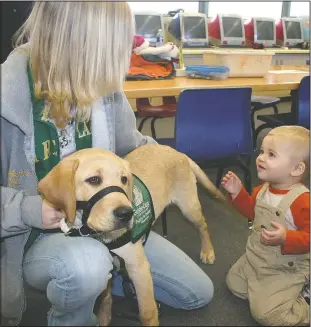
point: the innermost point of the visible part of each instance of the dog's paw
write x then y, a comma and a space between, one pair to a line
104, 320
207, 257
148, 322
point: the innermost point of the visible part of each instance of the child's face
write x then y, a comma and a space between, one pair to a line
275, 162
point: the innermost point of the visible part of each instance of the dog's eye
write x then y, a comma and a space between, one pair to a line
124, 179
95, 180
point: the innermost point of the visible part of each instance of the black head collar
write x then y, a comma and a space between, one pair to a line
87, 206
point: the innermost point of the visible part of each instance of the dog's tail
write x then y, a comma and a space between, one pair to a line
205, 181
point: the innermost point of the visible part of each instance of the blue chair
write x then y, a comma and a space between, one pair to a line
213, 127
300, 111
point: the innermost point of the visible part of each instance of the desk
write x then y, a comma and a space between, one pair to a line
159, 88
189, 51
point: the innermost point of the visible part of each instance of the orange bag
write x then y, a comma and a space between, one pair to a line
147, 67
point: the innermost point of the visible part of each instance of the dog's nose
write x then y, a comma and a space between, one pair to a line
124, 213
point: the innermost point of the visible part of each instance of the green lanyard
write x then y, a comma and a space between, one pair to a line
46, 137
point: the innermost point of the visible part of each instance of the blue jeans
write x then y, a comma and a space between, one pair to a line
74, 271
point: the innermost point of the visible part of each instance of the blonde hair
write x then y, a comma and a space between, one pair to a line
299, 137
79, 52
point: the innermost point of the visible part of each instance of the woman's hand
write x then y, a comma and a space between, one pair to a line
232, 184
50, 216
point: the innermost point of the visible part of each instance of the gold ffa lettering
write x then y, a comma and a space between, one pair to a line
85, 131
47, 149
55, 152
44, 116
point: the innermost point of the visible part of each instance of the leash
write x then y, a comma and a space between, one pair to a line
119, 267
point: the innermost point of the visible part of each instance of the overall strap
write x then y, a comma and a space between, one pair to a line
291, 196
262, 191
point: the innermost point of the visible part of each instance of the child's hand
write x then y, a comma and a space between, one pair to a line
232, 184
275, 237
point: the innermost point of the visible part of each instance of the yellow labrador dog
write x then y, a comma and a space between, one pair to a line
170, 177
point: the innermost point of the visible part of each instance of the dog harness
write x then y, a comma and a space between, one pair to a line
48, 156
143, 215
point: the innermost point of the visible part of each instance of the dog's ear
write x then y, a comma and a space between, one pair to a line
58, 187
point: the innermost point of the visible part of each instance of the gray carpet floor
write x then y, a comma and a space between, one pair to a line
229, 232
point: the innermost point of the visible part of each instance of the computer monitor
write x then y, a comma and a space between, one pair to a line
260, 30
305, 22
190, 29
147, 25
226, 29
289, 32
166, 21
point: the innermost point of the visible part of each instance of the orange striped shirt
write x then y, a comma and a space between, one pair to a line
297, 219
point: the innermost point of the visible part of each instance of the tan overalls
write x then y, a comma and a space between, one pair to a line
272, 282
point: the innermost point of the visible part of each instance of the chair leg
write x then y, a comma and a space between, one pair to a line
247, 173
253, 126
248, 186
220, 173
249, 176
153, 132
248, 181
164, 223
140, 127
275, 109
259, 129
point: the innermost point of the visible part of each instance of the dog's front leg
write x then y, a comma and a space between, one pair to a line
104, 312
142, 280
138, 269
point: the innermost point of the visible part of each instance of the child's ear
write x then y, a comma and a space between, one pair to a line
298, 170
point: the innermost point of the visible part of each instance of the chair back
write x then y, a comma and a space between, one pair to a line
214, 123
304, 102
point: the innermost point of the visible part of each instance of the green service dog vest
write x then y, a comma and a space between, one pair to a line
144, 215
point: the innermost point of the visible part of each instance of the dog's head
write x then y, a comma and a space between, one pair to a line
81, 175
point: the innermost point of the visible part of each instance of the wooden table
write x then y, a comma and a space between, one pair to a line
281, 56
158, 88
187, 51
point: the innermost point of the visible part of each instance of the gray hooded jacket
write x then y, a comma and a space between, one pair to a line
113, 128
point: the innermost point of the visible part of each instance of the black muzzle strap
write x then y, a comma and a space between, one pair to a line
87, 206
